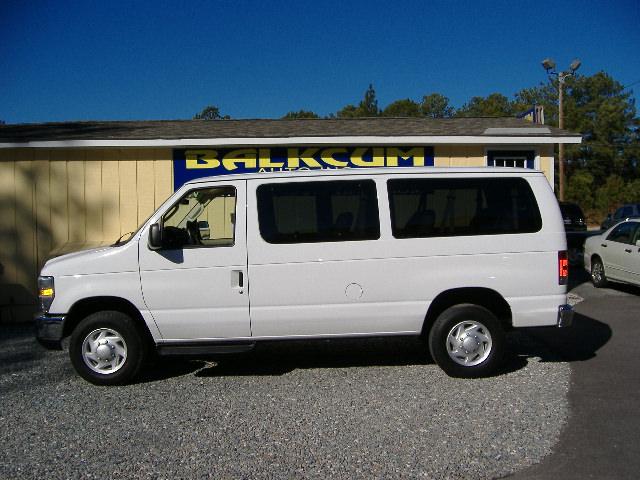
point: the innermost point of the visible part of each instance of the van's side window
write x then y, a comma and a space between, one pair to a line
203, 217
306, 212
461, 206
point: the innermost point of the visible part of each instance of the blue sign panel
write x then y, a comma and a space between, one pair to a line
192, 163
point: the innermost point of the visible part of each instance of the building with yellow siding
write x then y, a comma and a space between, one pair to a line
68, 186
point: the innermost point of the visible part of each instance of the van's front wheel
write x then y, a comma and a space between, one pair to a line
106, 348
467, 341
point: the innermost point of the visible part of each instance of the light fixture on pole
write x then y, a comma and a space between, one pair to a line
550, 66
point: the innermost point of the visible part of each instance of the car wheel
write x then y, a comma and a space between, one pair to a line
467, 341
106, 348
598, 277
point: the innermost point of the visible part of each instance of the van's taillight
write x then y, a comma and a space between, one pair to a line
563, 267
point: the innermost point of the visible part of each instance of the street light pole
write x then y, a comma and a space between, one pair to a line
561, 176
550, 66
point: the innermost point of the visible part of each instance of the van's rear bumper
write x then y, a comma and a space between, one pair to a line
565, 315
49, 330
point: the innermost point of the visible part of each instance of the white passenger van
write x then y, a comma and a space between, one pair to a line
458, 256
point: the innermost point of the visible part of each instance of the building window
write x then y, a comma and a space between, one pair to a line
423, 208
511, 158
310, 212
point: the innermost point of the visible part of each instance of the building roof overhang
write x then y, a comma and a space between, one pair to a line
311, 132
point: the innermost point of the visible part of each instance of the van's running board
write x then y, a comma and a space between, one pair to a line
203, 349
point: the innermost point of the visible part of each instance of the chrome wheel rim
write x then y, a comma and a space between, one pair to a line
104, 351
597, 272
469, 343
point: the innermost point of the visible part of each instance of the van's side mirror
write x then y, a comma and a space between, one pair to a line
637, 243
155, 237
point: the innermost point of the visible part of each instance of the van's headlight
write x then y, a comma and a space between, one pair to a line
46, 292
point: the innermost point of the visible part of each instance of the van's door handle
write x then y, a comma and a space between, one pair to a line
237, 280
603, 245
628, 250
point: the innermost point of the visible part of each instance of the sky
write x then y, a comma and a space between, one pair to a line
69, 60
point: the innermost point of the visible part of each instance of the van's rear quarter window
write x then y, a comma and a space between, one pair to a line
462, 206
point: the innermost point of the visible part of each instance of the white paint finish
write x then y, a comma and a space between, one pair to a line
107, 259
376, 173
301, 290
191, 291
536, 311
70, 289
621, 260
517, 130
310, 141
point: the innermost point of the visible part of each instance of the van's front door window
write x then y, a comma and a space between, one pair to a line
203, 217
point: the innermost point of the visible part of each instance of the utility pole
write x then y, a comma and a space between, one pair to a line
550, 66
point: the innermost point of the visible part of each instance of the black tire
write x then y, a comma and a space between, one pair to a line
118, 369
598, 276
482, 333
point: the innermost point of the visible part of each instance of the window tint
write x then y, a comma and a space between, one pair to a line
203, 217
305, 212
452, 207
623, 233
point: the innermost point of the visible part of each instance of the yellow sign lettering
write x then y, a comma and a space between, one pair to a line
327, 157
417, 153
196, 159
295, 157
376, 161
264, 159
246, 156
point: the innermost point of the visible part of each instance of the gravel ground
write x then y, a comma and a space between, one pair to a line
339, 409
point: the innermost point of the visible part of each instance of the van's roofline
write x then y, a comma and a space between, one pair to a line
339, 172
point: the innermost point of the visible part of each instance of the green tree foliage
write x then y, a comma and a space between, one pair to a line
210, 112
368, 106
436, 105
580, 189
599, 108
402, 108
495, 105
300, 114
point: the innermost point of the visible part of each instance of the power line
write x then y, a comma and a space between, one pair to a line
631, 84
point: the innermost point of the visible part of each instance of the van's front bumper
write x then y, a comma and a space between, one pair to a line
49, 330
565, 315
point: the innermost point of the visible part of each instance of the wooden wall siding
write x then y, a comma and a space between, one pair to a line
547, 162
459, 156
63, 198
474, 156
54, 199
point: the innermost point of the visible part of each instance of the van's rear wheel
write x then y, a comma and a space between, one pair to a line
107, 349
467, 341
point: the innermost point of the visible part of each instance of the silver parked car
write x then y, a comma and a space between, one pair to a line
614, 255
